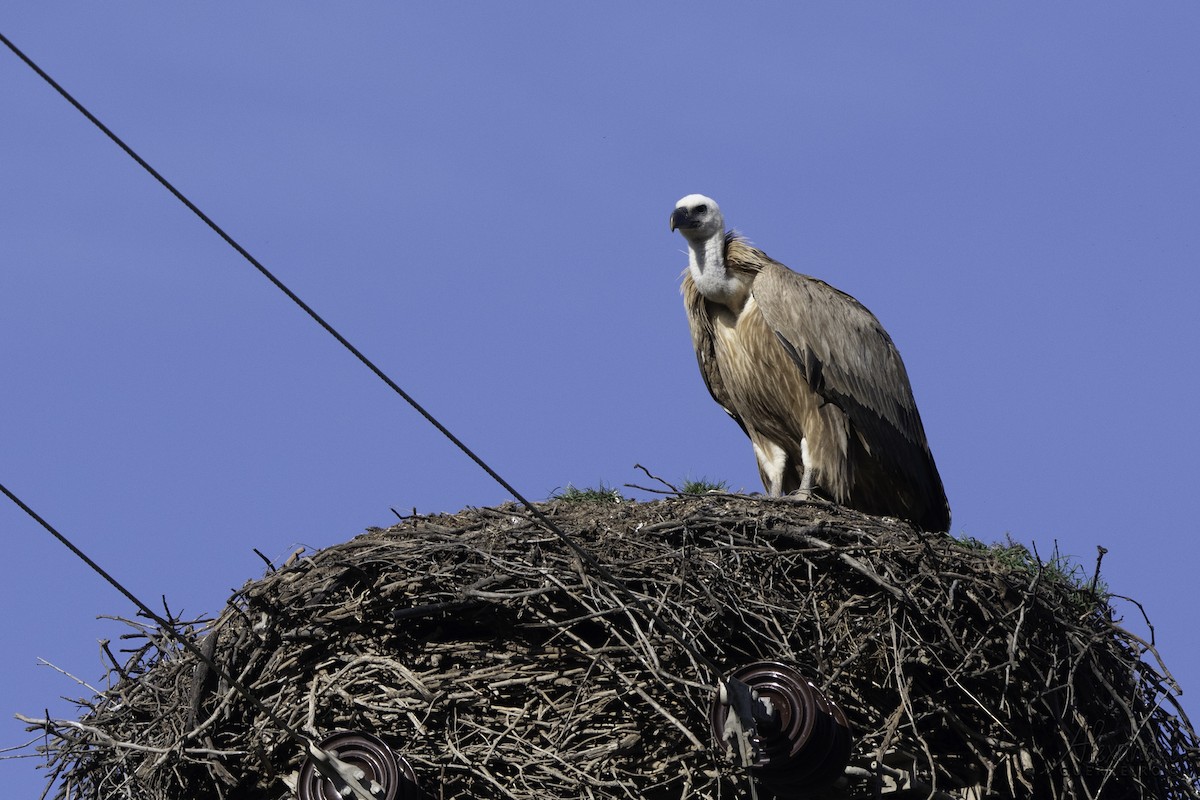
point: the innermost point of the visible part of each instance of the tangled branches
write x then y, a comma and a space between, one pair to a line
480, 648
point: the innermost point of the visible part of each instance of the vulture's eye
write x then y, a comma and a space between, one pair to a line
700, 210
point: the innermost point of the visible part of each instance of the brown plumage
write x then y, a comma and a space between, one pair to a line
809, 374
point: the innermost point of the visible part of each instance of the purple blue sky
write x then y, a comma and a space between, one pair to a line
478, 197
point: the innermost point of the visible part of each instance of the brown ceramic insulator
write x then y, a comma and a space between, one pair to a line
386, 775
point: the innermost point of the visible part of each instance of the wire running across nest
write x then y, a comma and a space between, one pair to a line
478, 646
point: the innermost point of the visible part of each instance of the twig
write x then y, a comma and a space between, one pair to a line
654, 477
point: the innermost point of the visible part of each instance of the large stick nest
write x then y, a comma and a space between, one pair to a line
500, 667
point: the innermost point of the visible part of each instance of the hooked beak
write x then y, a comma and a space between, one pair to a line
680, 218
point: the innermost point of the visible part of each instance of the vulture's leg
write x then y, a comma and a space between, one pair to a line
772, 461
806, 481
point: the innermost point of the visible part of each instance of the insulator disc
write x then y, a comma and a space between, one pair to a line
806, 744
386, 775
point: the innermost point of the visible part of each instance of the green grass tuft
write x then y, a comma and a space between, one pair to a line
1060, 569
600, 494
702, 486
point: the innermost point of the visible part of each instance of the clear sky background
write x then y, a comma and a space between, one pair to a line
478, 197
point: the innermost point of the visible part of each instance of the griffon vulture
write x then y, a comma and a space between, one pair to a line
809, 374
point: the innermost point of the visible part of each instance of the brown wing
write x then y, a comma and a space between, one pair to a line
848, 358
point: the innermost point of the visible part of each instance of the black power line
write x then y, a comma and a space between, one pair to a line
586, 557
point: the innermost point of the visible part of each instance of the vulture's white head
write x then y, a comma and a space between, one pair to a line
698, 218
